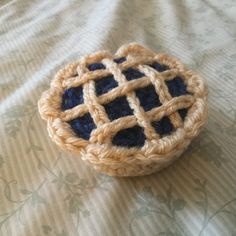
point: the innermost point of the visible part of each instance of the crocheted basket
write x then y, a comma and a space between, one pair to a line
129, 114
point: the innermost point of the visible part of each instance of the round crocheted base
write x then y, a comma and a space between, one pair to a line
126, 115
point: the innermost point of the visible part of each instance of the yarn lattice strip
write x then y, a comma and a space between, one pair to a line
129, 114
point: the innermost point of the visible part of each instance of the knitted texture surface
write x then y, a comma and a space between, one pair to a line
129, 114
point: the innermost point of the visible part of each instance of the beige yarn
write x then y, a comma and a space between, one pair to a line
98, 151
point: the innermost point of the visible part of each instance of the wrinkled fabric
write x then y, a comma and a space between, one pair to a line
45, 191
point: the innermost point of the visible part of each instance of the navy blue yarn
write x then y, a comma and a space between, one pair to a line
118, 108
148, 97
83, 126
131, 137
132, 74
119, 60
163, 126
105, 84
183, 112
159, 67
72, 97
176, 87
96, 66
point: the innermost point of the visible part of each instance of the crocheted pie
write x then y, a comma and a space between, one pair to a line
129, 114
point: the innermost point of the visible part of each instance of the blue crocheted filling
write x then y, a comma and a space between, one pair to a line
131, 137
105, 84
163, 126
148, 97
96, 66
100, 66
83, 126
72, 97
183, 112
118, 108
159, 67
132, 74
176, 87
119, 60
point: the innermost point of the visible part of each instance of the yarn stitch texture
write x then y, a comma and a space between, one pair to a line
129, 114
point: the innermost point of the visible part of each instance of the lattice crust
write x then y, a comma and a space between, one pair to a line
157, 151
